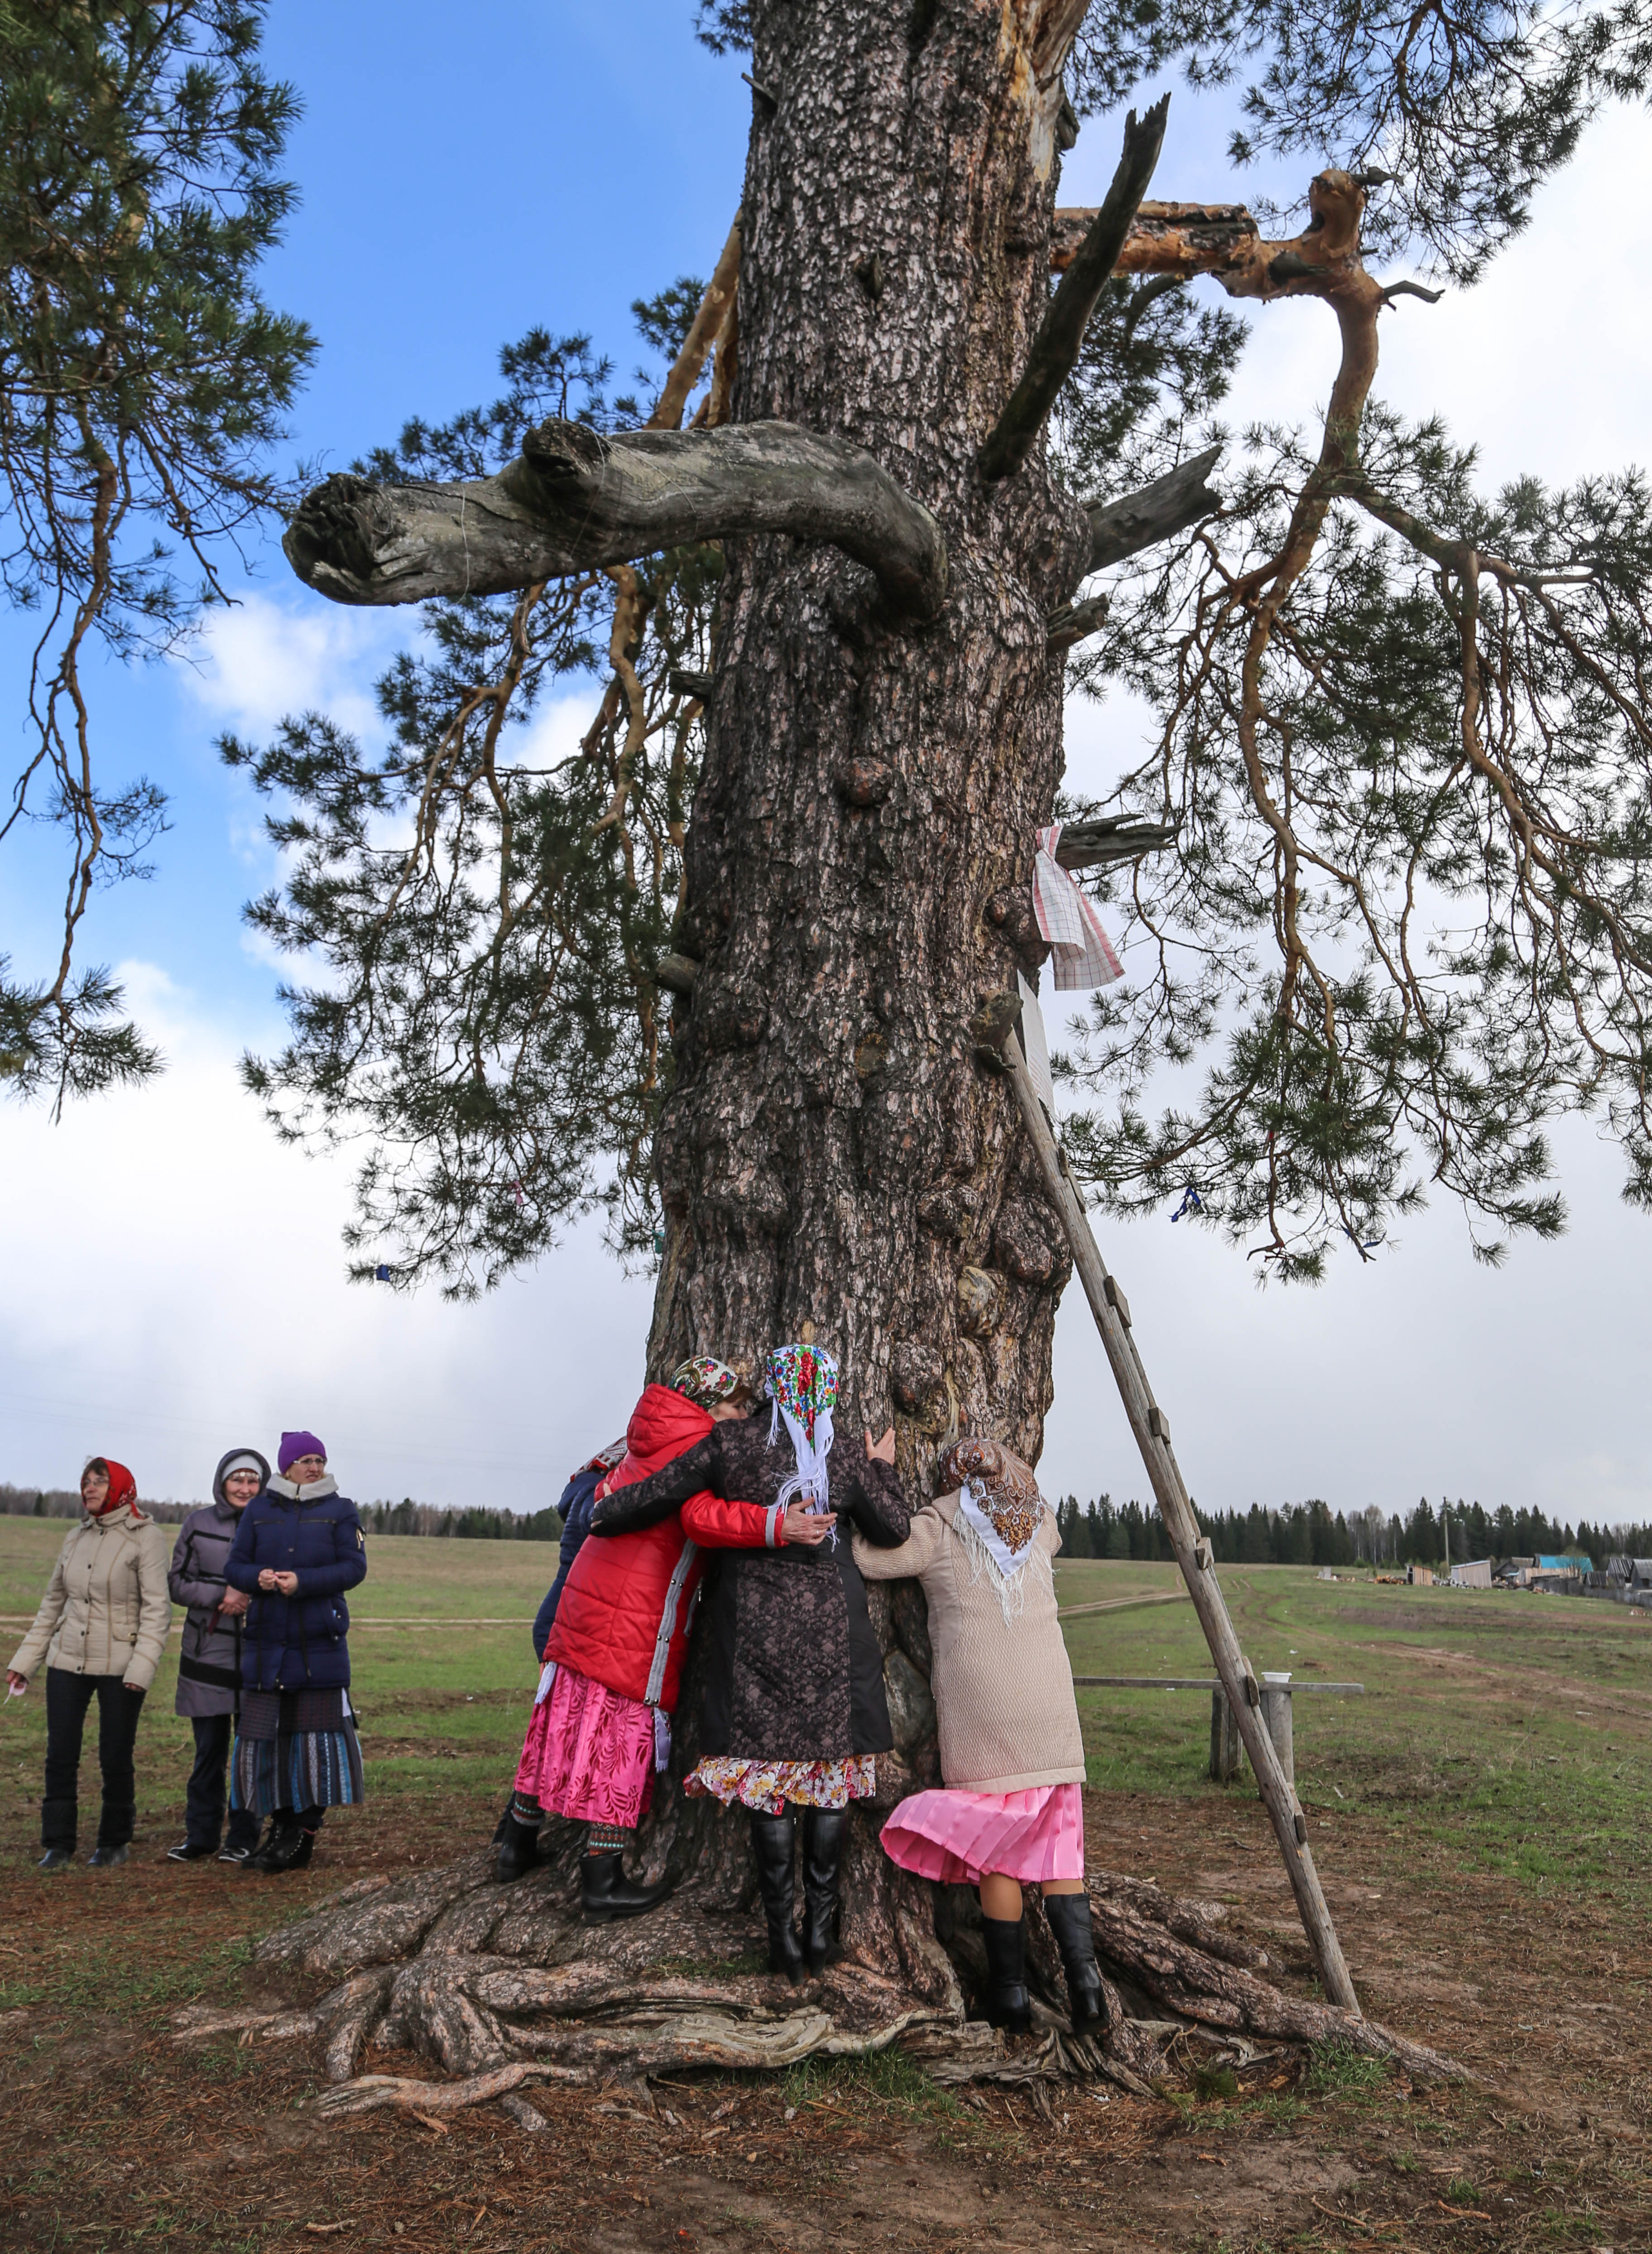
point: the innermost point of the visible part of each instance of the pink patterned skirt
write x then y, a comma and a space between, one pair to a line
590, 1753
960, 1837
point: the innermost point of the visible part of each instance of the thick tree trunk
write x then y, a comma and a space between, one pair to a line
834, 1154
835, 1159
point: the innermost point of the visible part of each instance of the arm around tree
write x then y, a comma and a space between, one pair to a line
908, 1560
871, 1496
644, 1502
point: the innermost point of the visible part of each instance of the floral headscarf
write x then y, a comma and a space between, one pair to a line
705, 1381
802, 1381
1000, 1510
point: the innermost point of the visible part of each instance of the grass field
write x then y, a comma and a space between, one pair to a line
1517, 1728
1479, 1816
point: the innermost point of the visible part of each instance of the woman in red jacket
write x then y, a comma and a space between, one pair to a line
601, 1725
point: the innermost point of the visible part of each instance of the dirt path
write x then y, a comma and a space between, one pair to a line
112, 2135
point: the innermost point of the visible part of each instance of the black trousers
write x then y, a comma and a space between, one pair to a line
67, 1697
204, 1807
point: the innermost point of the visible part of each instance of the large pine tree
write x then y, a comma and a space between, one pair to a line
738, 965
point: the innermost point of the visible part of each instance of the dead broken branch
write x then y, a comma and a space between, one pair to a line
1061, 333
576, 500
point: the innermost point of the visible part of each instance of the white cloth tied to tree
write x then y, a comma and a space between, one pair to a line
1082, 953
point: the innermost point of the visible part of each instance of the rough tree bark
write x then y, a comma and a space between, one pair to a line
835, 1159
840, 1158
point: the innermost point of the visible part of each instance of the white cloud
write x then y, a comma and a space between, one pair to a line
185, 1294
178, 1289
253, 664
1422, 1372
557, 727
1419, 1373
1545, 364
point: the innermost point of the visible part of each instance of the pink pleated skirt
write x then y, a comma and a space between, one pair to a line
961, 1838
590, 1753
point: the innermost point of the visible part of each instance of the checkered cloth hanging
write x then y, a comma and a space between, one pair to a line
1083, 955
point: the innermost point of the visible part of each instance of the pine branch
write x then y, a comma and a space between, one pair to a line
1061, 333
1159, 511
574, 501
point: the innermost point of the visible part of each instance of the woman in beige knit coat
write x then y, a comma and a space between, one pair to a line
1012, 1752
101, 1628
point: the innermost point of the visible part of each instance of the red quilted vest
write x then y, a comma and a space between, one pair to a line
623, 1616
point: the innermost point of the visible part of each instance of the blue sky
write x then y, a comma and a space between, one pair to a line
174, 1277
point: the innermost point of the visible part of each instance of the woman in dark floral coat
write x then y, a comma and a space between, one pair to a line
795, 1714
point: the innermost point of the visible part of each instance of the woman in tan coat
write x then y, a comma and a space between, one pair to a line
101, 1628
1012, 1752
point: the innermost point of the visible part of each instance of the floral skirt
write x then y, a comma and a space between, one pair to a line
960, 1837
588, 1753
768, 1785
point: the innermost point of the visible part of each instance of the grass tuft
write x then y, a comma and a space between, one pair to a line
1337, 2069
889, 2076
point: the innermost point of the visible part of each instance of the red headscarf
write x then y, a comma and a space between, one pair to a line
122, 1486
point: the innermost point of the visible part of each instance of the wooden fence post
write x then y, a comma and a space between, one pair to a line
1152, 1430
1226, 1752
1276, 1712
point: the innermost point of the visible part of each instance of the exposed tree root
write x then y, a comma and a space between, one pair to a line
372, 2091
500, 1987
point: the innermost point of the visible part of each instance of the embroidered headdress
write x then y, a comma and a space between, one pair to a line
705, 1380
1000, 1511
803, 1385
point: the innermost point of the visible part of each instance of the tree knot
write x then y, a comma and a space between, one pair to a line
558, 449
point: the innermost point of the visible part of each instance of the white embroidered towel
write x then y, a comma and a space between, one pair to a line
1082, 953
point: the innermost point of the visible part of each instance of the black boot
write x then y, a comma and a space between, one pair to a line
823, 1835
1009, 2005
606, 1892
288, 1848
519, 1848
116, 1822
772, 1838
57, 1833
1069, 1916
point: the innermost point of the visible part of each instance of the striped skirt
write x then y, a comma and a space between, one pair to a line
295, 1749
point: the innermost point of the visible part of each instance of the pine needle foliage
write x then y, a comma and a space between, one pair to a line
143, 381
1467, 109
1401, 728
489, 900
1407, 923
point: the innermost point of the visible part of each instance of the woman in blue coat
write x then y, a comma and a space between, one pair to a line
299, 1546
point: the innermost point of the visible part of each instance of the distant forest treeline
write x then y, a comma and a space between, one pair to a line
1311, 1534
1298, 1534
404, 1517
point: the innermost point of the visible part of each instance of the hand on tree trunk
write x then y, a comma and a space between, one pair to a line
880, 1451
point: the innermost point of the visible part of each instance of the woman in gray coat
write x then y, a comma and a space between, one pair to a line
209, 1665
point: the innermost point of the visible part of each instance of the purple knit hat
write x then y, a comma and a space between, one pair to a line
294, 1444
